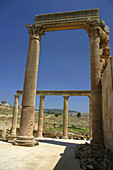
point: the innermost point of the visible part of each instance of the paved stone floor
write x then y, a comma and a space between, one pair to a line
50, 154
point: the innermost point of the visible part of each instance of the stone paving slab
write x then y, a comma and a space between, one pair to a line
57, 154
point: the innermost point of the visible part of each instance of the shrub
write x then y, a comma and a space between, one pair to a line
56, 114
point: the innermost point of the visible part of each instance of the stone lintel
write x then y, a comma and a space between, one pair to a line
60, 92
66, 20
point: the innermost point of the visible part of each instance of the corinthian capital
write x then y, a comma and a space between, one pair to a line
97, 28
35, 31
92, 27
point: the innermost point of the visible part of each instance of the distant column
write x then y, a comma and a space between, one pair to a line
65, 118
15, 114
40, 119
90, 119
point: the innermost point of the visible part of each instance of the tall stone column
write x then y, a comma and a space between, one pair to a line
26, 137
96, 89
15, 115
90, 119
40, 119
65, 118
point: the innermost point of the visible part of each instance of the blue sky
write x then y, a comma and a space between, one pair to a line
64, 56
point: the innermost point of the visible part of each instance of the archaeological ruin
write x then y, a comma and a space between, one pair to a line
43, 93
101, 69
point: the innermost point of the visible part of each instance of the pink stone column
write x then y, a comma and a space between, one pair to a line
96, 89
26, 137
15, 115
40, 119
65, 118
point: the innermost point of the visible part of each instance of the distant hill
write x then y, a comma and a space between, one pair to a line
71, 113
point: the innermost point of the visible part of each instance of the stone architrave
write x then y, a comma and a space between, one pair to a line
65, 118
96, 89
26, 137
15, 115
40, 119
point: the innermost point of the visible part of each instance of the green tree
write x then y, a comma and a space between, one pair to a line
56, 114
78, 114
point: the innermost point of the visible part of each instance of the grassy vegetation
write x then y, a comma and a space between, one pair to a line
52, 123
71, 129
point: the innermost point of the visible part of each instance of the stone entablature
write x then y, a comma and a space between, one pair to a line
61, 92
66, 20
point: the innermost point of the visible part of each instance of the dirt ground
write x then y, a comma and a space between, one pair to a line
57, 154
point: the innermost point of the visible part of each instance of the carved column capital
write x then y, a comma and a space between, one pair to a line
66, 96
97, 28
92, 31
42, 96
17, 95
35, 32
92, 27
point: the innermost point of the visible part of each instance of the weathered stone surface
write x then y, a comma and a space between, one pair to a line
15, 114
96, 92
40, 119
60, 92
94, 156
25, 141
65, 118
66, 20
106, 29
107, 104
2, 134
29, 90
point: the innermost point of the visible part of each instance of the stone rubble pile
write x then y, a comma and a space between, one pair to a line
94, 156
56, 134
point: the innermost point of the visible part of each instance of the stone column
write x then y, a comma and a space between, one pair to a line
15, 115
40, 119
26, 137
65, 118
90, 119
96, 89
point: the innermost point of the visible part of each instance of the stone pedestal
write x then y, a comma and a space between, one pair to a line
15, 115
40, 119
11, 138
65, 118
25, 137
96, 89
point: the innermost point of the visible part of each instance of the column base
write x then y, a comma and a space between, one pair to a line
25, 141
11, 138
64, 137
39, 136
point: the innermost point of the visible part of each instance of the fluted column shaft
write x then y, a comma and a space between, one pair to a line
15, 115
96, 89
65, 118
40, 119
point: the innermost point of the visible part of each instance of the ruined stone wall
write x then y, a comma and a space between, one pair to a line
107, 104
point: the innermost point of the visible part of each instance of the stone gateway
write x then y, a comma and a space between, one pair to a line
100, 65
